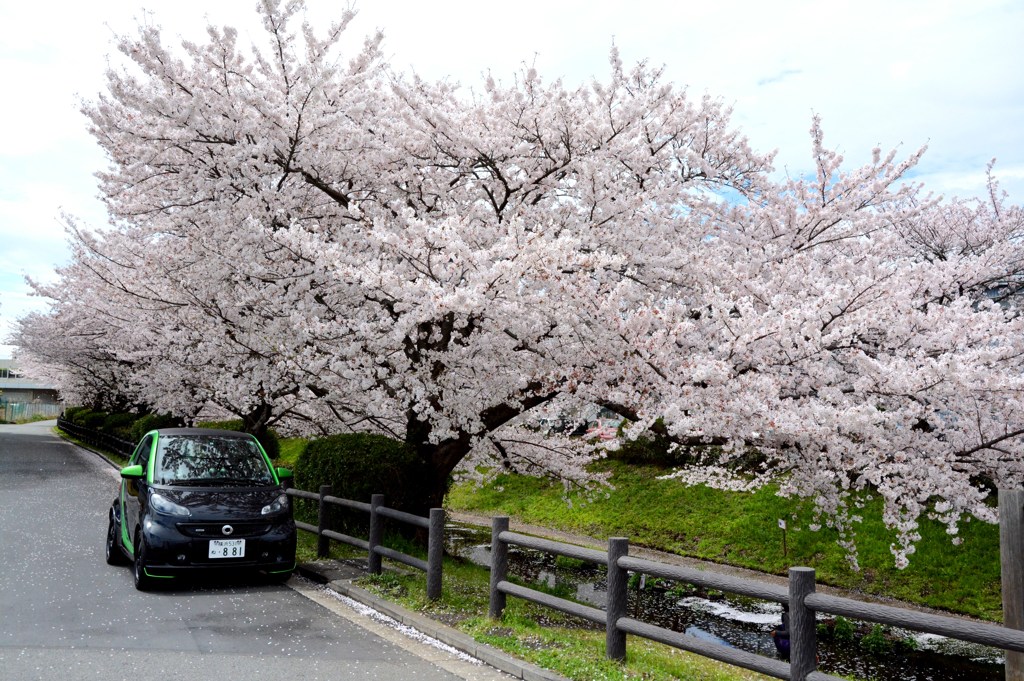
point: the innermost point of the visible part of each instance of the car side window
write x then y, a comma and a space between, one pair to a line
141, 455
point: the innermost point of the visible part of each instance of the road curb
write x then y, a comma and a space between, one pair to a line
339, 578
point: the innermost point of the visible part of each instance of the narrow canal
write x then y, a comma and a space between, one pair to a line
845, 647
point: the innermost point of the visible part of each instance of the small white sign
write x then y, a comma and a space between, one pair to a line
782, 524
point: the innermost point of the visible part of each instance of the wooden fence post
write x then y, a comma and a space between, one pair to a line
1011, 556
373, 561
499, 566
323, 544
435, 553
803, 635
617, 595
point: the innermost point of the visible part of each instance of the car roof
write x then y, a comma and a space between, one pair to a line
199, 432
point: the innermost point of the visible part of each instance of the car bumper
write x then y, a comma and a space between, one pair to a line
170, 552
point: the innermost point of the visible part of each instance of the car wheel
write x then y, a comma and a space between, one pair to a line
113, 550
143, 582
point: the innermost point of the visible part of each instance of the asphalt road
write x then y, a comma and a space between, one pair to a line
65, 614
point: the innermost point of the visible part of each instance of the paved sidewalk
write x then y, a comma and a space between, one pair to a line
339, 577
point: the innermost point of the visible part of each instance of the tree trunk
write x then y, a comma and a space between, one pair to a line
440, 461
256, 423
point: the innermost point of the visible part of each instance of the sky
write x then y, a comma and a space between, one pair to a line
890, 73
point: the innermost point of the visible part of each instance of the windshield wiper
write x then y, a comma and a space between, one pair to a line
224, 481
213, 482
207, 482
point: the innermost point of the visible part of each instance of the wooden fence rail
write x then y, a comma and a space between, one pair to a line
97, 438
800, 596
376, 550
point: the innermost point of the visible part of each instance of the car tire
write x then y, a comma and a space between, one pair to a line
143, 582
113, 548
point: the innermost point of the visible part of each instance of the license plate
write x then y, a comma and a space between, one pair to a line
227, 548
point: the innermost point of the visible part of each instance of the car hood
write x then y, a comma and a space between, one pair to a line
221, 502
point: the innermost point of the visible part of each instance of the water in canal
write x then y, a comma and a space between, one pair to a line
741, 622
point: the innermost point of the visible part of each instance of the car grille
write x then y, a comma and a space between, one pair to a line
215, 530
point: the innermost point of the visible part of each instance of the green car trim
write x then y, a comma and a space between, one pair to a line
266, 459
125, 539
151, 462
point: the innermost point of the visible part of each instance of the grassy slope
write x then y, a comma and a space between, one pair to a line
742, 529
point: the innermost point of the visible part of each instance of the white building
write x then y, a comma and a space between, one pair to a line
22, 397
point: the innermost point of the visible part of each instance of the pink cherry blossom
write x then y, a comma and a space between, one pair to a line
303, 237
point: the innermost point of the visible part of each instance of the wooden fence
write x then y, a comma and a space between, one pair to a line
800, 595
97, 438
434, 524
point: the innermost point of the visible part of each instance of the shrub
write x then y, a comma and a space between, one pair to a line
843, 630
359, 465
149, 422
905, 645
119, 425
91, 419
72, 413
839, 629
231, 424
656, 451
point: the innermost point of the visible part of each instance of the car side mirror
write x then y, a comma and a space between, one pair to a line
284, 473
133, 473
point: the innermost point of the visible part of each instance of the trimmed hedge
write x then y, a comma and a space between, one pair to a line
358, 465
132, 427
125, 425
151, 422
92, 419
119, 425
73, 413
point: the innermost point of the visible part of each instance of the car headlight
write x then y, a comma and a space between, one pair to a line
164, 505
276, 506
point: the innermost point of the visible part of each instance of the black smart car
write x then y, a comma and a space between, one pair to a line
198, 499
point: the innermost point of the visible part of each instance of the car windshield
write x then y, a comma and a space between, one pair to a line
209, 460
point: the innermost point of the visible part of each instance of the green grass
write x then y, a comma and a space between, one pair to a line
291, 450
741, 529
567, 645
32, 419
117, 459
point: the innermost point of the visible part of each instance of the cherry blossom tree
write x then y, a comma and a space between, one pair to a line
327, 245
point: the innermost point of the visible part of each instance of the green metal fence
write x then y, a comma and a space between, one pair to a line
24, 411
